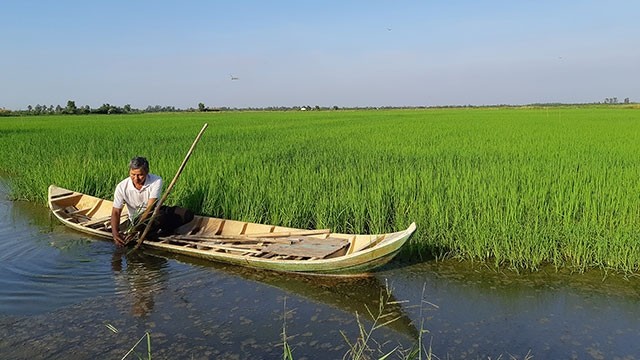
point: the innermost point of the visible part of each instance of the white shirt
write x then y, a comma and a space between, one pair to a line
137, 200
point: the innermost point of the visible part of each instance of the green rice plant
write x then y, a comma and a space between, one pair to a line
146, 336
287, 352
361, 348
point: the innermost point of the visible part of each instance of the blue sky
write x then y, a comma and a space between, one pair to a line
343, 53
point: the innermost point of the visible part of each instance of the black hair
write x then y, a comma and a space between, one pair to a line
139, 162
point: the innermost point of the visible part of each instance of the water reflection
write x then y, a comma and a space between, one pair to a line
351, 295
41, 269
140, 277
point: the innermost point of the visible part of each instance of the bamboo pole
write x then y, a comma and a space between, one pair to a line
166, 193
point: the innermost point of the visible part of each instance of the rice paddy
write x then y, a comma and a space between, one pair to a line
518, 187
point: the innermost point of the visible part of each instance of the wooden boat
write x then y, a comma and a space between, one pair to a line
242, 243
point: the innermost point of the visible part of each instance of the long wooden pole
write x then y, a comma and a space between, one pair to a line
166, 192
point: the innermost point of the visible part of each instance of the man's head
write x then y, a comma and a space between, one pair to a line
138, 170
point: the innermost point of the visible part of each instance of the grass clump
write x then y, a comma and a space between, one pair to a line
133, 351
365, 346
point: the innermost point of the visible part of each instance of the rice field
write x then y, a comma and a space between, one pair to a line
518, 187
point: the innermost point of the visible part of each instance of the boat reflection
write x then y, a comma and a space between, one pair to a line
360, 294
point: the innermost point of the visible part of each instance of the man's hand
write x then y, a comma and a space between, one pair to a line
117, 239
115, 224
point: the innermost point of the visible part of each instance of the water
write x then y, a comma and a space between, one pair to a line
59, 289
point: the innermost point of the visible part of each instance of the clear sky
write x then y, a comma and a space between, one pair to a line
326, 53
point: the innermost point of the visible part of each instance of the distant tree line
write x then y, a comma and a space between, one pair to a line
72, 109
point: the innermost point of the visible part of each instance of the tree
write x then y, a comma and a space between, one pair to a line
201, 107
71, 107
127, 108
103, 109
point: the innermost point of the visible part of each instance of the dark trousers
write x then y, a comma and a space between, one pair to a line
168, 219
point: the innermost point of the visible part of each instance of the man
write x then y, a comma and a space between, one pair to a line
139, 192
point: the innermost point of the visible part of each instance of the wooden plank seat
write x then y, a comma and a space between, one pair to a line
66, 196
290, 248
97, 222
229, 239
79, 211
308, 247
205, 245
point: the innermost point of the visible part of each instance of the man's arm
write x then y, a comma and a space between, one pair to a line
115, 226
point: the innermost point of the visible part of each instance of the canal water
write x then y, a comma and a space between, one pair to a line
62, 292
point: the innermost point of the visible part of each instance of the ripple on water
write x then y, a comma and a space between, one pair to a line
39, 277
48, 268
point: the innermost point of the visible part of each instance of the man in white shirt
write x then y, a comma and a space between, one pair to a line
138, 192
